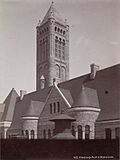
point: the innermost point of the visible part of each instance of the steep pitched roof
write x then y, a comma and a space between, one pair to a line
9, 102
31, 103
52, 13
2, 106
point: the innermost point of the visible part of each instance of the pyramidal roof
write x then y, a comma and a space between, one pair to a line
52, 13
30, 111
82, 99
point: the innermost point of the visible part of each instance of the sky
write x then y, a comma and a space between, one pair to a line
94, 38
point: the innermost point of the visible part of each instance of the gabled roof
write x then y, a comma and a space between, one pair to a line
52, 13
9, 102
86, 98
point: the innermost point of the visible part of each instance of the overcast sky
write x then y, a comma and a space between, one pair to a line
94, 38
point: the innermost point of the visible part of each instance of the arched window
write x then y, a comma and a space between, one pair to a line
44, 134
57, 71
61, 31
63, 42
73, 131
58, 29
87, 132
63, 73
56, 39
27, 134
49, 133
55, 28
79, 132
32, 134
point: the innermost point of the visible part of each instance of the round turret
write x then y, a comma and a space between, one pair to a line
85, 110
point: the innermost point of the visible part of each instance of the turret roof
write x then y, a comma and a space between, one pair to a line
87, 97
52, 13
82, 98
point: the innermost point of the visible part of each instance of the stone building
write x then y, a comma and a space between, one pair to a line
88, 105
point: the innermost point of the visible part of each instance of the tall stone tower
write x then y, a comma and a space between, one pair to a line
52, 49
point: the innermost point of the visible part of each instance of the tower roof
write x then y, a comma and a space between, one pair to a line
52, 13
83, 100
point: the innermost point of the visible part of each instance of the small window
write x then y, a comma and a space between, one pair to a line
51, 108
117, 133
54, 107
63, 32
58, 29
32, 134
108, 133
58, 105
87, 132
55, 28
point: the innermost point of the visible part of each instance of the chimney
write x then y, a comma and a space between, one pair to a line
94, 69
42, 82
22, 93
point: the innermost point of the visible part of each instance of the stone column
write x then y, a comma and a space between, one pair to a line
83, 132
